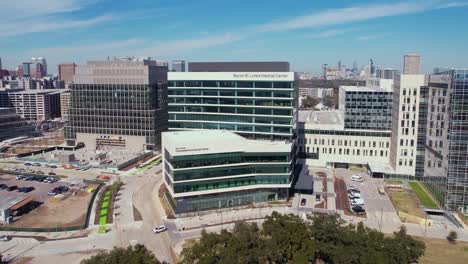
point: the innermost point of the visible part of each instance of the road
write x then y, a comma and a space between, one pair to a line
139, 191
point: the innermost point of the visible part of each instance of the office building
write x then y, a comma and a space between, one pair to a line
66, 71
316, 92
260, 66
26, 69
40, 66
411, 64
119, 103
12, 125
210, 170
406, 104
65, 103
366, 107
178, 66
256, 105
1, 64
33, 105
386, 73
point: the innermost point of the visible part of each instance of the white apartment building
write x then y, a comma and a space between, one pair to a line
406, 100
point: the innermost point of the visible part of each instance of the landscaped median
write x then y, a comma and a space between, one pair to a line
425, 199
105, 205
146, 166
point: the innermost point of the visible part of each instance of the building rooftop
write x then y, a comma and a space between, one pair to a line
39, 91
231, 76
9, 200
197, 142
364, 89
324, 120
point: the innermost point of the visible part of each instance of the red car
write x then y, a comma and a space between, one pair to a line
303, 201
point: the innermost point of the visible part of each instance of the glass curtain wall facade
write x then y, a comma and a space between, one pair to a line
254, 109
368, 110
457, 176
233, 173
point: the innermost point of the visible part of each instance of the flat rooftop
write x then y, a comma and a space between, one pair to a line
364, 89
9, 200
324, 120
231, 76
198, 142
39, 91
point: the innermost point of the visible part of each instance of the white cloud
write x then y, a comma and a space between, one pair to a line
452, 5
371, 37
330, 33
348, 15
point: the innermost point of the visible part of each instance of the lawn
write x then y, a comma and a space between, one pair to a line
146, 166
425, 199
103, 216
441, 251
402, 201
393, 182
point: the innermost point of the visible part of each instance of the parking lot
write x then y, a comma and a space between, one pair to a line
374, 201
40, 188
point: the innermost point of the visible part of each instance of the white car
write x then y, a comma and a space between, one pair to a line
357, 201
354, 195
356, 178
159, 229
5, 238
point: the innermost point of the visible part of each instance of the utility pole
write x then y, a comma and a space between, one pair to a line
425, 227
381, 219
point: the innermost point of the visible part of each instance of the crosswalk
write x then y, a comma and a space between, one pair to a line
16, 247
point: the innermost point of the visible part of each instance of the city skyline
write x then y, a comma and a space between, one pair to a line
306, 34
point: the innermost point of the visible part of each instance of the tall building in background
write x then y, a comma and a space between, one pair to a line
118, 104
411, 64
39, 66
178, 66
1, 64
66, 71
26, 69
260, 66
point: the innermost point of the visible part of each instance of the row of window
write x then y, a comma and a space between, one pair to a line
232, 127
344, 142
228, 101
180, 162
347, 151
228, 84
230, 93
232, 118
231, 110
228, 183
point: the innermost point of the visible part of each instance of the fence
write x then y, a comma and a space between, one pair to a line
60, 229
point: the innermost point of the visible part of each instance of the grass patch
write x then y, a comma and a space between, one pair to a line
425, 199
402, 201
441, 251
146, 166
103, 214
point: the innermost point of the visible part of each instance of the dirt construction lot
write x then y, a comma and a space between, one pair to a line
69, 210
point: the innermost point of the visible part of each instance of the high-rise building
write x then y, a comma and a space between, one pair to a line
12, 125
40, 67
372, 68
33, 105
366, 107
26, 69
256, 105
210, 170
65, 103
411, 64
66, 71
254, 66
386, 73
1, 64
178, 66
118, 103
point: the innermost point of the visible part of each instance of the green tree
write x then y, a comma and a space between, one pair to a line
452, 236
331, 101
402, 248
310, 102
137, 254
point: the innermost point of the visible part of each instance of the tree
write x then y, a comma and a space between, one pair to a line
290, 239
310, 102
452, 236
137, 254
330, 101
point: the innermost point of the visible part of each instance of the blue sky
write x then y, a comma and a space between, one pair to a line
305, 33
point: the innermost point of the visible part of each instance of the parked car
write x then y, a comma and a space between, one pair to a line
356, 178
63, 189
354, 190
381, 190
358, 209
27, 164
12, 188
37, 164
52, 174
317, 197
159, 229
3, 186
12, 169
5, 238
39, 172
53, 192
354, 195
303, 201
52, 166
357, 201
26, 189
20, 177
29, 178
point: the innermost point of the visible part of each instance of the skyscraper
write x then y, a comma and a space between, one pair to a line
26, 67
178, 66
1, 64
119, 103
66, 71
40, 67
411, 64
372, 68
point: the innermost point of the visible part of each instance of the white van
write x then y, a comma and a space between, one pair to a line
356, 178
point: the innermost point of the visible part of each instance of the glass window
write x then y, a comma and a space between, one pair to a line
263, 85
